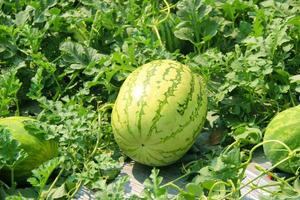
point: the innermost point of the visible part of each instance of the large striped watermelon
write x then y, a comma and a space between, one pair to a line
285, 127
160, 109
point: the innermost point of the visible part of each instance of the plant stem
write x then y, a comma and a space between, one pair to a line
157, 34
4, 184
78, 185
54, 182
58, 85
17, 105
259, 187
69, 84
175, 186
245, 164
263, 173
12, 178
214, 185
168, 12
175, 180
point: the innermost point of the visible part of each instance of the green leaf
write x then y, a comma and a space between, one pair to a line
41, 175
244, 30
78, 56
194, 189
294, 20
153, 189
297, 185
9, 87
11, 152
56, 192
8, 46
196, 24
247, 135
185, 33
23, 16
209, 29
297, 89
295, 79
35, 91
258, 24
113, 191
218, 191
41, 9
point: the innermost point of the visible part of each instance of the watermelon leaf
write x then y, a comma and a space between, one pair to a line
42, 173
153, 189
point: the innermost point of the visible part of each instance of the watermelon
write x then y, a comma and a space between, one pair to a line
38, 150
285, 127
159, 111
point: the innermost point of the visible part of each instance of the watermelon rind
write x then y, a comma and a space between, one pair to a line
39, 151
285, 127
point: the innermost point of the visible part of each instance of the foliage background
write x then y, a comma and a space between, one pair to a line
64, 62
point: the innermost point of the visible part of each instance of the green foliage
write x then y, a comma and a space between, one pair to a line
42, 173
153, 189
64, 62
9, 84
10, 151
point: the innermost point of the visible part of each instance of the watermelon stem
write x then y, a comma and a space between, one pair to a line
54, 182
168, 12
78, 185
262, 187
12, 178
101, 110
263, 173
175, 186
17, 106
171, 183
210, 194
4, 184
262, 143
245, 164
157, 22
290, 155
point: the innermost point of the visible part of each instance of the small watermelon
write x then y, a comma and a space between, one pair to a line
159, 111
166, 30
38, 151
285, 127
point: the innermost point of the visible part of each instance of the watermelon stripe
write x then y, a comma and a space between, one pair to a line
182, 107
170, 92
117, 133
182, 127
131, 149
154, 157
193, 117
195, 133
200, 101
128, 99
172, 151
150, 74
147, 155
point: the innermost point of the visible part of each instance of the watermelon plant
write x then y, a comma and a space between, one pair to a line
284, 127
159, 112
76, 65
